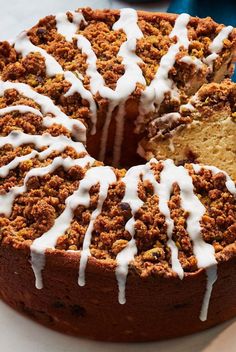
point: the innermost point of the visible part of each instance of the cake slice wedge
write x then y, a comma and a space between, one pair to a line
204, 131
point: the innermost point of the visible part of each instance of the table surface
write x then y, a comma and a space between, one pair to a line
21, 334
17, 15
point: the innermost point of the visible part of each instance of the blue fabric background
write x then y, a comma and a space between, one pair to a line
220, 11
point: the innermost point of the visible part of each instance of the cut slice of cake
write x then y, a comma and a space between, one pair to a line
204, 131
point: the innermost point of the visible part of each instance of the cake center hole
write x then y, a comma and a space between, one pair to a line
128, 141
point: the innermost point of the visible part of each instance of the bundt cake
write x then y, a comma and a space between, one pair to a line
95, 240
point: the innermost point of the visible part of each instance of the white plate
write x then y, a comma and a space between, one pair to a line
20, 334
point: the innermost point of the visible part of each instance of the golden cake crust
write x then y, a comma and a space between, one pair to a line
63, 306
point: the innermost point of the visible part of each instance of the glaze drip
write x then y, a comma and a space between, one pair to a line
24, 46
154, 94
62, 223
47, 106
125, 85
7, 200
229, 182
170, 175
131, 181
105, 176
17, 138
67, 28
217, 45
192, 61
211, 274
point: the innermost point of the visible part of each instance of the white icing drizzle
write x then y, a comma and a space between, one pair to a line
24, 46
125, 256
192, 61
211, 271
22, 109
7, 199
125, 85
167, 120
154, 94
103, 175
217, 45
77, 87
67, 28
230, 185
47, 107
203, 251
211, 274
4, 170
170, 175
120, 126
17, 138
97, 83
163, 190
187, 106
133, 73
210, 59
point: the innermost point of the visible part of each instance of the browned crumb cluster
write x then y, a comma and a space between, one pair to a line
215, 96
